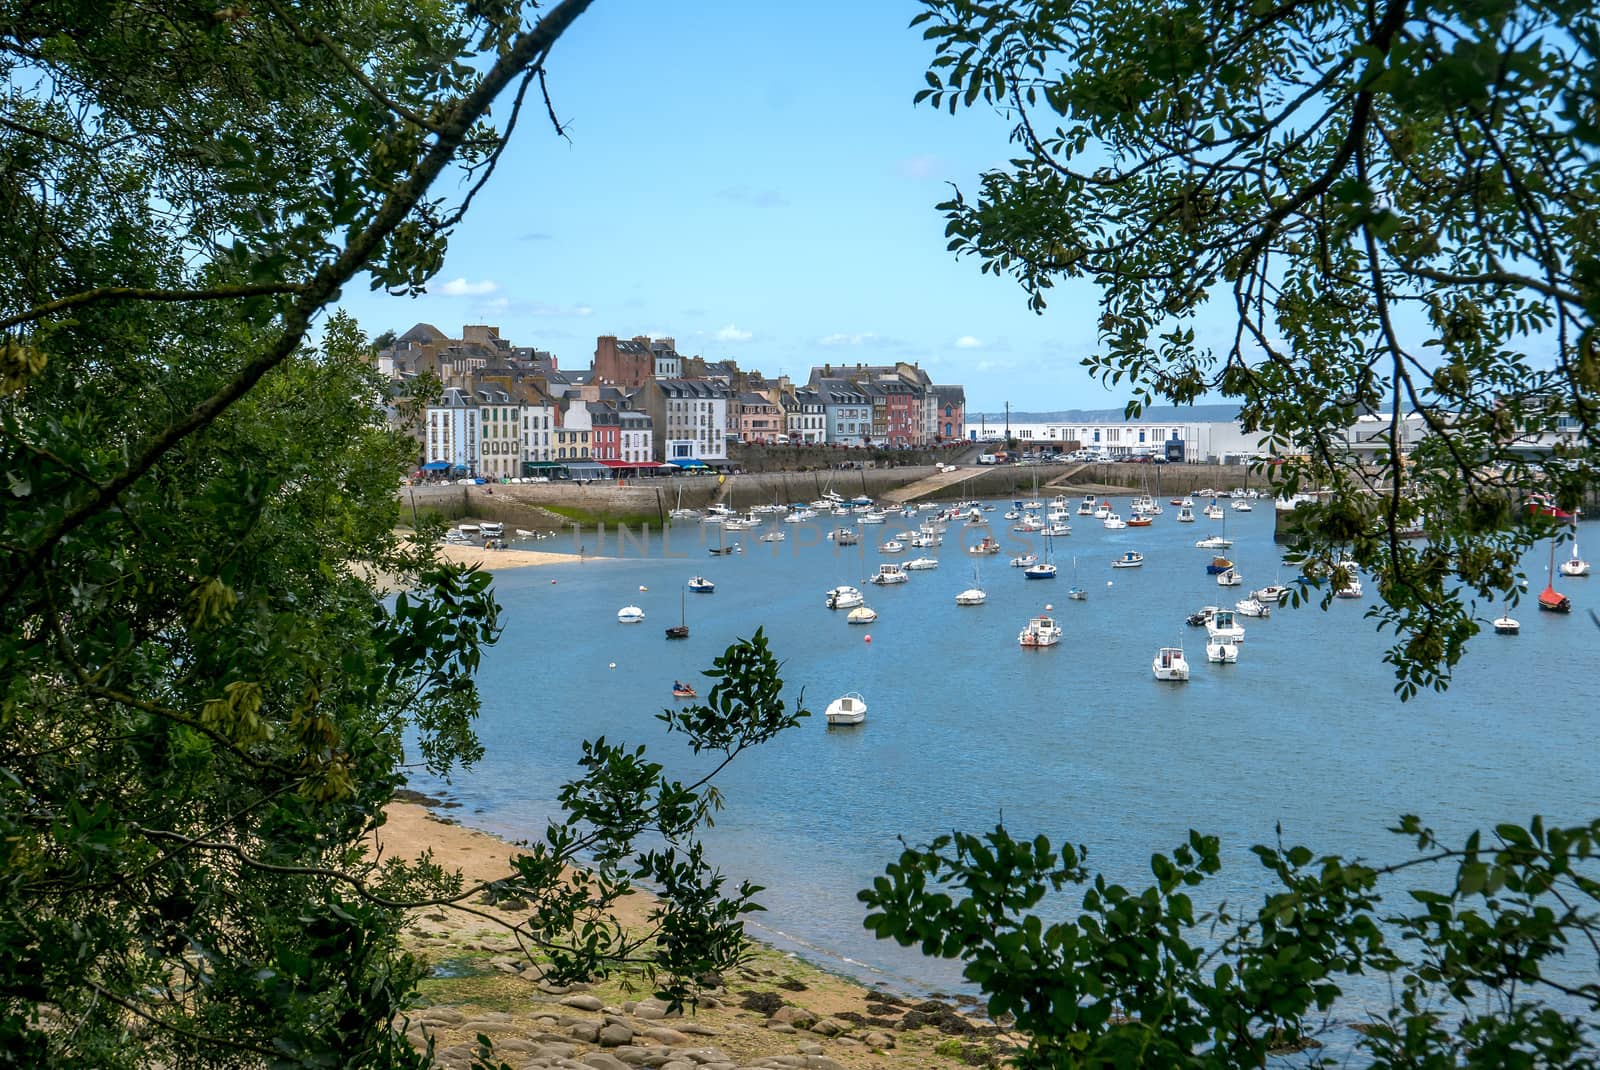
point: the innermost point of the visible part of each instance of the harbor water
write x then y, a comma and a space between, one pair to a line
966, 729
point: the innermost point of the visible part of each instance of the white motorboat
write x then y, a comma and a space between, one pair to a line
1574, 565
843, 598
1102, 510
891, 546
524, 533
701, 585
1113, 522
772, 536
922, 564
1224, 625
630, 615
1213, 511
1222, 653
1201, 617
1011, 514
844, 536
1086, 507
1028, 523
889, 573
1040, 632
1129, 559
1241, 506
1270, 595
1229, 577
1185, 514
1507, 625
1349, 586
1169, 664
846, 710
974, 595
1057, 531
1024, 560
924, 539
875, 516
862, 615
1252, 607
986, 545
1214, 542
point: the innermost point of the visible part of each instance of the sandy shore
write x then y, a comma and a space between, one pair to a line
496, 560
775, 1011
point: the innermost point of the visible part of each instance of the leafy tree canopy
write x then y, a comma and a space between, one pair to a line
1391, 208
205, 702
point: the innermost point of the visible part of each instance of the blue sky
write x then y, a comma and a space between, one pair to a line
753, 180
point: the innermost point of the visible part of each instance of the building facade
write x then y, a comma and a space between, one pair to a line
805, 419
690, 418
847, 412
759, 419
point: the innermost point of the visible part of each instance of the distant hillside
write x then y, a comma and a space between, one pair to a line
1164, 413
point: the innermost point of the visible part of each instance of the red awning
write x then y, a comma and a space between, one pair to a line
633, 464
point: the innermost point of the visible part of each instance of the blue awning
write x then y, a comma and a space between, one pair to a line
436, 466
689, 462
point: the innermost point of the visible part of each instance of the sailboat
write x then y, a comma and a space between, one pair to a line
974, 595
721, 548
681, 629
1076, 591
1550, 599
1046, 569
1574, 565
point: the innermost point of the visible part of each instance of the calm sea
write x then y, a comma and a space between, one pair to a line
966, 729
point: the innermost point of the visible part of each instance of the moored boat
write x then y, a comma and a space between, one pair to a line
1129, 559
1169, 664
846, 710
1040, 632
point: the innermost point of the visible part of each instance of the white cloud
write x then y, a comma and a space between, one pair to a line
540, 308
463, 288
917, 168
848, 339
966, 341
732, 333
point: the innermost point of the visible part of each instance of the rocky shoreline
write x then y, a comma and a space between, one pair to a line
775, 1011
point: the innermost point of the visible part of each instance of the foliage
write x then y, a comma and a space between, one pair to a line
1323, 210
1492, 965
205, 699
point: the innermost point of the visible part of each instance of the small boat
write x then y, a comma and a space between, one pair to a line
1011, 514
1024, 560
1169, 664
1086, 507
1201, 617
924, 539
1113, 522
1040, 632
1129, 559
700, 585
1252, 607
1176, 501
889, 573
1213, 542
876, 516
1218, 566
1076, 592
1028, 523
922, 564
524, 533
843, 598
1350, 588
1102, 509
1224, 625
846, 710
1270, 595
721, 551
1229, 577
974, 595
1550, 599
1213, 511
630, 615
1185, 514
1143, 520
1574, 565
1222, 652
845, 536
1507, 625
1545, 505
680, 630
777, 535
684, 691
1242, 506
892, 546
1042, 570
986, 545
862, 615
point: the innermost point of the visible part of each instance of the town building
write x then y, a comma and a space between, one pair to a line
949, 413
628, 363
690, 418
806, 421
760, 420
847, 412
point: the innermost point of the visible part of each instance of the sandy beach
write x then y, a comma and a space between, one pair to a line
496, 560
774, 1011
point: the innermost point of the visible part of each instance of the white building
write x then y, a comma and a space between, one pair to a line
805, 419
636, 437
538, 423
450, 433
690, 417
